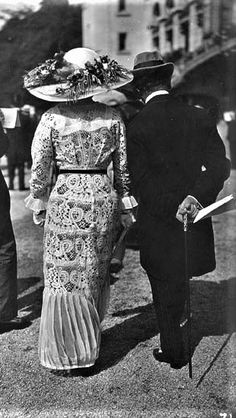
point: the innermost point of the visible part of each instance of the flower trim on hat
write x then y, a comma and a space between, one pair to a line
76, 81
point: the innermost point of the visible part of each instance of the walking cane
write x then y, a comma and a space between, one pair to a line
122, 235
187, 284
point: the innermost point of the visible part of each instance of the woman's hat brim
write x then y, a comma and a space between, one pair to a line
50, 94
167, 67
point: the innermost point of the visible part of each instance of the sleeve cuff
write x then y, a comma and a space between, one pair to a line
36, 205
197, 203
128, 202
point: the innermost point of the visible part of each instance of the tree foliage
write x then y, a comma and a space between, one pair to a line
27, 40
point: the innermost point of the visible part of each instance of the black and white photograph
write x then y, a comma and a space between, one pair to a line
117, 209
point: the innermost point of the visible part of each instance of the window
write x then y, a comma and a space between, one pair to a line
156, 42
184, 30
122, 41
169, 36
121, 5
200, 19
156, 9
170, 4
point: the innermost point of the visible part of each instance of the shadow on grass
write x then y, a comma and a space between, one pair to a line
120, 339
214, 313
31, 302
25, 283
213, 307
138, 309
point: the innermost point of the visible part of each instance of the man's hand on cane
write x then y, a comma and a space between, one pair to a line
190, 207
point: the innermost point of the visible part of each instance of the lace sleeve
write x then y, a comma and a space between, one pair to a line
42, 154
121, 174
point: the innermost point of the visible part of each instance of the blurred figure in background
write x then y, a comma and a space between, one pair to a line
16, 158
213, 108
28, 122
223, 131
20, 139
8, 260
230, 120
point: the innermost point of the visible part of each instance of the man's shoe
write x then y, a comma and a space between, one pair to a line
178, 364
15, 323
163, 358
160, 356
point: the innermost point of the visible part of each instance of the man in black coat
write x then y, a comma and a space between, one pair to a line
177, 163
8, 260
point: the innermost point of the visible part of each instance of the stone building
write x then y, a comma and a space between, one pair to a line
120, 27
191, 31
180, 29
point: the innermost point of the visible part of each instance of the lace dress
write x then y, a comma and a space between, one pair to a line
81, 214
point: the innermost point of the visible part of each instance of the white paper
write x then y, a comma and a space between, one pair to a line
11, 117
221, 206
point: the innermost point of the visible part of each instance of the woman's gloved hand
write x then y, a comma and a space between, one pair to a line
127, 219
39, 217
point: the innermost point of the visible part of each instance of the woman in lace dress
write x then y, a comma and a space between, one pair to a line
82, 138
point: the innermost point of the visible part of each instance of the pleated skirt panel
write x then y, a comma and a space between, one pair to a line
78, 240
70, 330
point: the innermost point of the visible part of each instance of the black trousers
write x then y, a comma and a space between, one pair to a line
169, 297
8, 271
21, 175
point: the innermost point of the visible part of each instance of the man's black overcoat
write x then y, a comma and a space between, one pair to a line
174, 150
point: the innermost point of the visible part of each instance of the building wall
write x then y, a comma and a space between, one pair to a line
105, 27
180, 25
168, 25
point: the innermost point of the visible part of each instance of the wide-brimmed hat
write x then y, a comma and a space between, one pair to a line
75, 75
120, 96
147, 62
